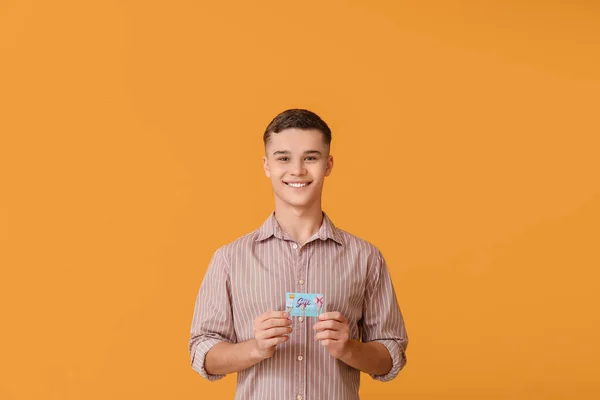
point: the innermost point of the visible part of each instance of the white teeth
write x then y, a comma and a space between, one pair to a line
297, 185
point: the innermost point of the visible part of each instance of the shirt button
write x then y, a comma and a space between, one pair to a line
295, 246
301, 281
300, 358
300, 319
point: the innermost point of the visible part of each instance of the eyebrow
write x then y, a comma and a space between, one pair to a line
286, 152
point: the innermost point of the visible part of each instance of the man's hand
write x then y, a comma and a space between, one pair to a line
334, 333
270, 329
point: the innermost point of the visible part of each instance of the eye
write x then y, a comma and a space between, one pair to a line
283, 159
311, 158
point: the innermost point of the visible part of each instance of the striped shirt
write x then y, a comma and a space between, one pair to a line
251, 276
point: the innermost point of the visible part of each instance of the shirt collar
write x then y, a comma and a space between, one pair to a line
271, 228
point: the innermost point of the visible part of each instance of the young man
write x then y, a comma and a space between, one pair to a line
251, 311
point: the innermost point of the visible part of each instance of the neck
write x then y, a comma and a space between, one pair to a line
300, 223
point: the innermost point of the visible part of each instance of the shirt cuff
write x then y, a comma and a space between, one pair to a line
199, 358
398, 359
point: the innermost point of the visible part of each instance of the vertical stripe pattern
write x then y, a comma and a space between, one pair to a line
251, 275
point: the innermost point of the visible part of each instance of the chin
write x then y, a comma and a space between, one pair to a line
299, 203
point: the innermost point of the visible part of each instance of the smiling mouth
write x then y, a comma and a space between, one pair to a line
297, 184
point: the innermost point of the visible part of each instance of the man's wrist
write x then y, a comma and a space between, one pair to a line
256, 355
370, 357
350, 350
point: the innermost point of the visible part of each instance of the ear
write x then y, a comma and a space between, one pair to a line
329, 166
266, 167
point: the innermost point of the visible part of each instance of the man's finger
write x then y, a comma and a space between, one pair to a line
335, 315
273, 314
329, 324
275, 341
328, 334
275, 322
273, 332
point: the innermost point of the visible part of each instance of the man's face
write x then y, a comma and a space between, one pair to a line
297, 162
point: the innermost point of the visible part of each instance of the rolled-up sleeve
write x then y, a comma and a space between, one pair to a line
213, 320
382, 319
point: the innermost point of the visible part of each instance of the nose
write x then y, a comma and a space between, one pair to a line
298, 169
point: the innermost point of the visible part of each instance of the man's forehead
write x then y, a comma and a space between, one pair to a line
297, 134
297, 140
276, 152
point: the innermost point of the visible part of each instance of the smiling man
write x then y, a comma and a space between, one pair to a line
298, 307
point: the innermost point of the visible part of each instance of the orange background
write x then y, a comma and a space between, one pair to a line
466, 141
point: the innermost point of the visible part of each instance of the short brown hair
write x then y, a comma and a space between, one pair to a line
297, 118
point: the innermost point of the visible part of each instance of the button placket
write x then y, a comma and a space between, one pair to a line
300, 326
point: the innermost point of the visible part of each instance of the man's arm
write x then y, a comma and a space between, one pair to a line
213, 344
270, 330
372, 357
382, 352
383, 323
212, 324
226, 358
334, 333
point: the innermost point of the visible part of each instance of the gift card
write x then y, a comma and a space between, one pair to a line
304, 304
